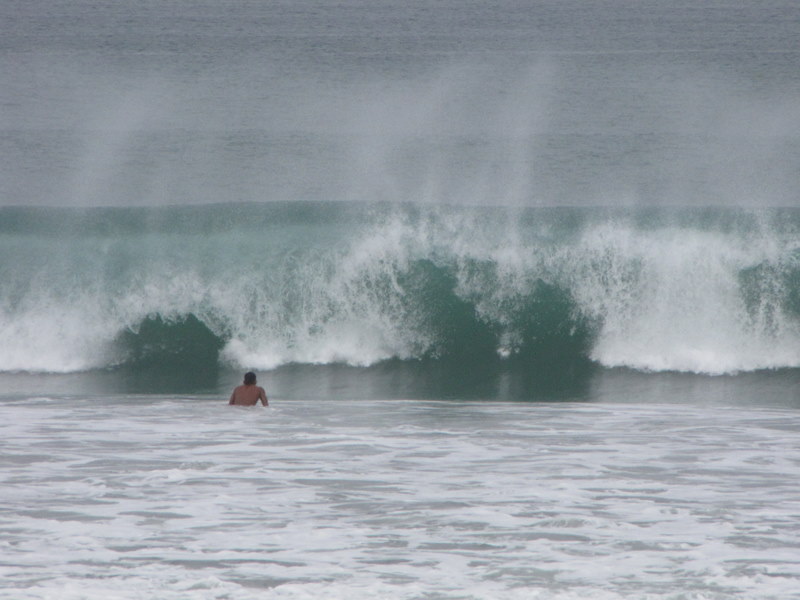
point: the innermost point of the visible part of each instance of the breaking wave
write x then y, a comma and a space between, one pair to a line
696, 290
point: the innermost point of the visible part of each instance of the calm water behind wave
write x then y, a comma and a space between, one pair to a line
506, 102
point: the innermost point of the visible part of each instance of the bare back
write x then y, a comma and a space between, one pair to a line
248, 395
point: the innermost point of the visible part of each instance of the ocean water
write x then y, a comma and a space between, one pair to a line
521, 279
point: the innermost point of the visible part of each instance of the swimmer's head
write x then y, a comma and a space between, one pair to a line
249, 378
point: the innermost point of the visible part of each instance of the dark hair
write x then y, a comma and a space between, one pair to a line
249, 378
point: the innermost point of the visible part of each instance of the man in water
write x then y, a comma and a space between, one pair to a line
249, 393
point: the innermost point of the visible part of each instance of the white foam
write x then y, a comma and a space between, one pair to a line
672, 300
397, 500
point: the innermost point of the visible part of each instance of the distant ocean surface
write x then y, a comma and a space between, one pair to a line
521, 279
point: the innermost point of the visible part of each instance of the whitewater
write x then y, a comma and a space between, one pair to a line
179, 497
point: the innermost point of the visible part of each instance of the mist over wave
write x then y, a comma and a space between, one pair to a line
708, 291
515, 104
